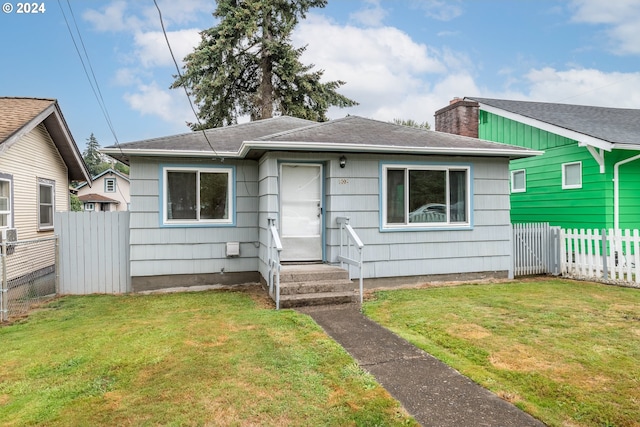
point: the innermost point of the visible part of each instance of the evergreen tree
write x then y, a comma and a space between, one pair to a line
246, 65
412, 123
92, 157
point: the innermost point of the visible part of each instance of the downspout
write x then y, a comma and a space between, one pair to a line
616, 190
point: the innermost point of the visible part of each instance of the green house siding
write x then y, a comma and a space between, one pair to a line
629, 188
496, 128
544, 200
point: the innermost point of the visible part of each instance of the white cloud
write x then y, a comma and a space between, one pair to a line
389, 74
122, 16
585, 87
371, 15
620, 17
112, 18
372, 60
152, 50
171, 106
442, 10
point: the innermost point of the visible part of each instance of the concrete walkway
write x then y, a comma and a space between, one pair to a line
432, 392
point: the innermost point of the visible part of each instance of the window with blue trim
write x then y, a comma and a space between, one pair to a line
425, 196
197, 195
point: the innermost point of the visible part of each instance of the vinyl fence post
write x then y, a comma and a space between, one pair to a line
57, 263
4, 288
605, 267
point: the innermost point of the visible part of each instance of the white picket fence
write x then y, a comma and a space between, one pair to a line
604, 255
536, 249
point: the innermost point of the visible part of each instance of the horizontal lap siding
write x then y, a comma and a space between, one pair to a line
485, 248
544, 199
25, 167
157, 250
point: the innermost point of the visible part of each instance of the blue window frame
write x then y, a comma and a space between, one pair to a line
197, 195
425, 196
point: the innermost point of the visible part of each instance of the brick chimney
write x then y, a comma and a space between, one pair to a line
460, 117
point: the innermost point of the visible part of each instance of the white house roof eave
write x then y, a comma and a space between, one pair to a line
371, 148
138, 152
320, 146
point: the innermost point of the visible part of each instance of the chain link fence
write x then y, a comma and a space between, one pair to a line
28, 275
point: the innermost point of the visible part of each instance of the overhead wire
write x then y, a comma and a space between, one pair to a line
95, 87
166, 38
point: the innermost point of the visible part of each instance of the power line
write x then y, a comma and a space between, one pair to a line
180, 75
95, 87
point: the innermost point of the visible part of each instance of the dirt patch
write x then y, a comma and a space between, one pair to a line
469, 331
519, 358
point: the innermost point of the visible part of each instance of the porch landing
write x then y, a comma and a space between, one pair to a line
315, 284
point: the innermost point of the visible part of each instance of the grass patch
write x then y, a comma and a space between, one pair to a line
208, 358
567, 352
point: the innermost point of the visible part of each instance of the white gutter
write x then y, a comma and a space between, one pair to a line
616, 189
371, 148
320, 146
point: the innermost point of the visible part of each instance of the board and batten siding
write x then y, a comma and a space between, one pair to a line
589, 207
33, 157
158, 250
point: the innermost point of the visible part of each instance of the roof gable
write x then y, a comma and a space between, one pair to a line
18, 116
617, 126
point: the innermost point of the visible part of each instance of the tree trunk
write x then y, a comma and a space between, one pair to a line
266, 84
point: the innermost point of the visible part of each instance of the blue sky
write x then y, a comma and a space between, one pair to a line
400, 58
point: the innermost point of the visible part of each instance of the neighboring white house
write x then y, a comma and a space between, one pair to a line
38, 160
109, 192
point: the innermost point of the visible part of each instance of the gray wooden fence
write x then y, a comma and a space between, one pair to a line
94, 252
536, 249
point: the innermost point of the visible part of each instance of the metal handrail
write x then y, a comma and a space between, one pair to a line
274, 247
353, 242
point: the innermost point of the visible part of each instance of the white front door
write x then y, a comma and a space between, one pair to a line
301, 211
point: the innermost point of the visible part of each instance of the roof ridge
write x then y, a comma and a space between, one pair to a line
30, 98
312, 125
479, 99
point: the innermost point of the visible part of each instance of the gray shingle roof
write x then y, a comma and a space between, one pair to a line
224, 139
614, 125
352, 133
356, 130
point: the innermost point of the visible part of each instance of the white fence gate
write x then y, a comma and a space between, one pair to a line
612, 255
94, 252
536, 249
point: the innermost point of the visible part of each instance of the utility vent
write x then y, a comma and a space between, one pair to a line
233, 249
9, 235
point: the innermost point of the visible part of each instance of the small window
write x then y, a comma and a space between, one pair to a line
572, 175
198, 195
89, 207
518, 181
5, 201
425, 196
110, 185
45, 204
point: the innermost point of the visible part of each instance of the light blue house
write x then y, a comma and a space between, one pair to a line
424, 204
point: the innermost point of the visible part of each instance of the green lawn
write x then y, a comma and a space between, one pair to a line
207, 358
567, 352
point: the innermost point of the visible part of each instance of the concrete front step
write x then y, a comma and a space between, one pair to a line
317, 286
324, 298
311, 272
